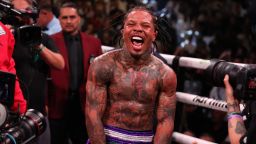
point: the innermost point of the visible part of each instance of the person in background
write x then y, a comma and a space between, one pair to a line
128, 87
47, 20
236, 127
67, 87
33, 62
7, 64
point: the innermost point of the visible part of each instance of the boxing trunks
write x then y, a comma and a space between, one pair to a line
116, 135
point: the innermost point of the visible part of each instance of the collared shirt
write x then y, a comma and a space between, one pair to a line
75, 53
53, 26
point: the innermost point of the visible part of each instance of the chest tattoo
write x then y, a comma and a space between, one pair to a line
138, 79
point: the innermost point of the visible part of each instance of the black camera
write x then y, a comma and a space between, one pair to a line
29, 35
15, 129
7, 83
242, 77
25, 34
7, 9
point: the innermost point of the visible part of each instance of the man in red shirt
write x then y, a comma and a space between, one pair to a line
7, 65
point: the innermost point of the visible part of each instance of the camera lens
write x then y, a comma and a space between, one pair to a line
31, 125
223, 68
38, 119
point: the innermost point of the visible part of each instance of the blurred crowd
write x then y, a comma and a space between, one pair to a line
206, 29
203, 29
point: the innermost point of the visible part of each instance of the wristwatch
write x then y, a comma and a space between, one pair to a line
41, 47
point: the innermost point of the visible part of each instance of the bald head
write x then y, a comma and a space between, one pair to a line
22, 4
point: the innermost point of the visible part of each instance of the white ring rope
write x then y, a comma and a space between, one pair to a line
183, 61
203, 101
186, 139
188, 62
106, 48
190, 98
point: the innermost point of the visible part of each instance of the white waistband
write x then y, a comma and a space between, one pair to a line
127, 137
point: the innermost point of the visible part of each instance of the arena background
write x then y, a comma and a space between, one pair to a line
206, 29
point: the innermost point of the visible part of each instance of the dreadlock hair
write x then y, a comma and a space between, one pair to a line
166, 37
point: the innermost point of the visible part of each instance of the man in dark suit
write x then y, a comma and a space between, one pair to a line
67, 87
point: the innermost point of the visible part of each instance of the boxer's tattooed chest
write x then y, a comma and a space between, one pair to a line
139, 85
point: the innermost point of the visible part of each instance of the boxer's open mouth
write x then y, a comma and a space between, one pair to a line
137, 41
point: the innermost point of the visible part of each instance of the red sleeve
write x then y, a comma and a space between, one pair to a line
8, 64
19, 101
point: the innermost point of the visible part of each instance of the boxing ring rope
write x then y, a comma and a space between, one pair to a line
183, 61
203, 101
191, 98
186, 139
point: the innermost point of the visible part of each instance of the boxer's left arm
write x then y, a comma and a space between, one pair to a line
166, 108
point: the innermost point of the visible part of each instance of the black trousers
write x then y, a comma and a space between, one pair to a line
72, 126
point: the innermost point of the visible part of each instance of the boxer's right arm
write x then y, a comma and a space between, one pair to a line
96, 97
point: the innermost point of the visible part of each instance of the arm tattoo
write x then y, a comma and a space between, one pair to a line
168, 112
240, 129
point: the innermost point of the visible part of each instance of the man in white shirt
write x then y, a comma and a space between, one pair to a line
48, 21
